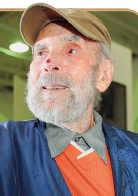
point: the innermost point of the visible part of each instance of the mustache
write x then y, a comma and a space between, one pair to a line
52, 78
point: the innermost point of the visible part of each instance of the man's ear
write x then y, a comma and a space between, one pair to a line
105, 75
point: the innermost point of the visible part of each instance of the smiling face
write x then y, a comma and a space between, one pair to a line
62, 77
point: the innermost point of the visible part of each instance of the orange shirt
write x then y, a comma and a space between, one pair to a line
87, 176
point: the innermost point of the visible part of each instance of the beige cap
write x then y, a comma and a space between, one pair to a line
38, 15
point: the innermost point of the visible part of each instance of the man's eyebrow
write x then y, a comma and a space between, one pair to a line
38, 47
71, 38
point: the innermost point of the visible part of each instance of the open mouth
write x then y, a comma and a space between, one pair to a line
54, 88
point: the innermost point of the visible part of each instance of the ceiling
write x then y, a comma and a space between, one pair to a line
122, 25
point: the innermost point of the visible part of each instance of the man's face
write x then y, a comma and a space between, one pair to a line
62, 78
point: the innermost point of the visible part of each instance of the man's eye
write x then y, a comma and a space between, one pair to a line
72, 51
41, 53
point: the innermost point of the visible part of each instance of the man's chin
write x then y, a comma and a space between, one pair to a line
52, 116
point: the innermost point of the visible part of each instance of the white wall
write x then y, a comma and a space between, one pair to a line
135, 94
6, 105
21, 111
2, 118
123, 75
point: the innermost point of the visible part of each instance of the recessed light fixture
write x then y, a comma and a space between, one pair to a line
19, 47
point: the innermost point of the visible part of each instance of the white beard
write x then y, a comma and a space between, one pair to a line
81, 95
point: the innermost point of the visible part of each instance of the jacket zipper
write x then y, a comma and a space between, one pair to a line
122, 178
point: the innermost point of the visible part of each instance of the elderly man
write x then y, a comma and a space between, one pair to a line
68, 149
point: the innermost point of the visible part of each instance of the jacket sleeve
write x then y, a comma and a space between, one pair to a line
7, 175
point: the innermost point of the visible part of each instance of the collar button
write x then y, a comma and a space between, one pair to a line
77, 139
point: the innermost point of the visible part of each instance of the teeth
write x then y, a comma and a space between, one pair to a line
55, 87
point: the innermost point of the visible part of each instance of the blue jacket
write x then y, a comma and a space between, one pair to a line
27, 169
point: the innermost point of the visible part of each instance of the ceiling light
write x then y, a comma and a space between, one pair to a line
19, 47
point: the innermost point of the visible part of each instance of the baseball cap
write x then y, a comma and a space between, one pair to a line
38, 15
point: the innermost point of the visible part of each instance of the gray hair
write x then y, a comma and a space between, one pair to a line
106, 52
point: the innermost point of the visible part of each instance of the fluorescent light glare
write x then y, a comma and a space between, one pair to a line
19, 47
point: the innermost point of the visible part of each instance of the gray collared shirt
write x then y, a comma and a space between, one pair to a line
59, 138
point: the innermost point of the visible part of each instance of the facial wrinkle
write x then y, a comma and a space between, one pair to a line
71, 38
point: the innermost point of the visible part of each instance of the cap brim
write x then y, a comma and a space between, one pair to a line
38, 14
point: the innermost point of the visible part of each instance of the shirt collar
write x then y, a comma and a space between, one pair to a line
59, 138
95, 137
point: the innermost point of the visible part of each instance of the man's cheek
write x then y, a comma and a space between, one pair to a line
80, 69
34, 72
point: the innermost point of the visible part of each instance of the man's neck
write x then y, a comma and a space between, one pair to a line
83, 123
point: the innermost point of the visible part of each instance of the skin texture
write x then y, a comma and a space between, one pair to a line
61, 50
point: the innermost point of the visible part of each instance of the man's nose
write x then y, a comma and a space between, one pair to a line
51, 63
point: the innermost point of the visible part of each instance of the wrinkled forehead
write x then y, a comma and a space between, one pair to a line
42, 43
54, 29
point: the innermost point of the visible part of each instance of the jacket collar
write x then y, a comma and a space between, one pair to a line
115, 161
123, 154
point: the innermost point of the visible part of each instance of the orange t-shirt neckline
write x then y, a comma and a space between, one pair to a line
87, 176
